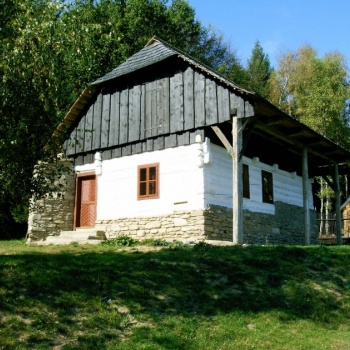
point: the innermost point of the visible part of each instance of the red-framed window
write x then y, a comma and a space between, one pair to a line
148, 181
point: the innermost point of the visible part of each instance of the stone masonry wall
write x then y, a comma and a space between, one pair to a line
215, 223
55, 213
179, 225
285, 227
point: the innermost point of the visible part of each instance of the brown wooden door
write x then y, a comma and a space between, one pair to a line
86, 201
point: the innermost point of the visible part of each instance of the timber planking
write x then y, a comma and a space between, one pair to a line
149, 145
172, 103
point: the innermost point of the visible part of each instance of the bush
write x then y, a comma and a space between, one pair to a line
202, 246
121, 241
155, 242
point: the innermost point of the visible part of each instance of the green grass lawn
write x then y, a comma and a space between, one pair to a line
110, 297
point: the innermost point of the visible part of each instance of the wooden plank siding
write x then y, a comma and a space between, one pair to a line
134, 114
176, 103
199, 99
105, 120
96, 125
124, 120
132, 118
79, 142
153, 144
88, 129
189, 98
113, 137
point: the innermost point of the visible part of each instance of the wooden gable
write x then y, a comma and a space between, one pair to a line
170, 97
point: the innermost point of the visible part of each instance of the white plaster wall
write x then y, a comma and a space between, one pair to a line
218, 183
218, 178
180, 180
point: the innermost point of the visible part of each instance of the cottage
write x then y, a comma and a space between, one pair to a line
165, 147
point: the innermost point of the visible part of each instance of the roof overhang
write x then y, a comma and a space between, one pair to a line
268, 121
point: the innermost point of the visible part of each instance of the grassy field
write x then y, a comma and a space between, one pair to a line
174, 297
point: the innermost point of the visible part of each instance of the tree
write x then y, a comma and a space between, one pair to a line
315, 91
30, 93
258, 71
50, 50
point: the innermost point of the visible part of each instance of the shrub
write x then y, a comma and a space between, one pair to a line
120, 241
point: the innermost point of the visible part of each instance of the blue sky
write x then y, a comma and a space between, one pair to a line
279, 25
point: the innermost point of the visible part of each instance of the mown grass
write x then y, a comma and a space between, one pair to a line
174, 297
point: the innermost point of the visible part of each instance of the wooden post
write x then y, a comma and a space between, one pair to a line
337, 205
305, 171
237, 181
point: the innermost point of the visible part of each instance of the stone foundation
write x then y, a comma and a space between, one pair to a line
215, 223
285, 227
180, 225
55, 212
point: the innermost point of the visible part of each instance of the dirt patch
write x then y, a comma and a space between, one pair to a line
141, 249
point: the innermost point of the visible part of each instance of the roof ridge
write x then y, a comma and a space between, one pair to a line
128, 66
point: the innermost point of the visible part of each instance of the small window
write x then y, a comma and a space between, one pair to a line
267, 186
246, 185
148, 181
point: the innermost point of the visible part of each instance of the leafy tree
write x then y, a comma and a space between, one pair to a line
315, 91
259, 71
109, 32
30, 94
51, 49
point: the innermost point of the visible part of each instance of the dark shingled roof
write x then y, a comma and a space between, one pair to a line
147, 56
156, 51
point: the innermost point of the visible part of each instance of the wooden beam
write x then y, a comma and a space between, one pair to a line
338, 222
343, 169
306, 197
273, 121
295, 133
291, 141
223, 139
237, 181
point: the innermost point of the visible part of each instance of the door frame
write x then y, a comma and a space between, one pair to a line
77, 204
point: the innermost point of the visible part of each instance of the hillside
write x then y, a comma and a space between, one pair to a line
174, 297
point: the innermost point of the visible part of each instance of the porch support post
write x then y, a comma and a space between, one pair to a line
237, 181
305, 171
338, 223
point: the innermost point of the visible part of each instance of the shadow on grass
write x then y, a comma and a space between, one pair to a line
302, 283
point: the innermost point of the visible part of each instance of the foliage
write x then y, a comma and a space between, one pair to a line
50, 50
202, 246
155, 242
120, 241
30, 92
227, 297
315, 91
259, 71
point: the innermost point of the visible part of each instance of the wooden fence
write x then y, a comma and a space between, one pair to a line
327, 229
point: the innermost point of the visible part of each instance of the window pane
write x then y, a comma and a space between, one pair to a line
246, 185
143, 174
152, 187
143, 189
267, 186
152, 173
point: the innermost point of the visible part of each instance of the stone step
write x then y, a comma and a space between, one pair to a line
60, 241
80, 236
